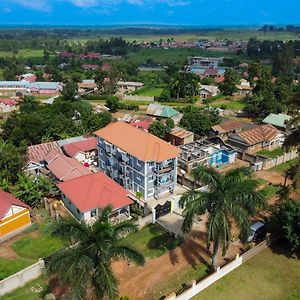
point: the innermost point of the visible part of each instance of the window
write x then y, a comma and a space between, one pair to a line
78, 211
151, 164
151, 178
138, 177
150, 192
103, 165
93, 213
101, 151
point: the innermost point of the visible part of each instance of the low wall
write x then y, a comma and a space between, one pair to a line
197, 287
142, 222
19, 279
138, 98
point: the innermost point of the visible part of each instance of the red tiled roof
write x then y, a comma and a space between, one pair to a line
90, 55
259, 134
82, 146
227, 126
64, 168
142, 124
137, 142
8, 102
211, 71
6, 201
36, 153
95, 190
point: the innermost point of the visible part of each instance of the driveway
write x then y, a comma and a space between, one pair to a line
171, 222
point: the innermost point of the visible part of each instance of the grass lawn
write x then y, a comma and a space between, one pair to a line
271, 154
271, 190
152, 241
26, 53
285, 166
34, 290
35, 248
178, 280
267, 276
11, 266
149, 91
233, 104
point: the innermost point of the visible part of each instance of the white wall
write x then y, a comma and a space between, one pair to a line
19, 279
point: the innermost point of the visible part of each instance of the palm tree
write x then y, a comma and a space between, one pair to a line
86, 263
230, 199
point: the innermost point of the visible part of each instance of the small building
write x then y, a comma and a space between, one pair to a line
139, 121
161, 111
204, 62
7, 105
87, 195
28, 77
223, 130
45, 88
63, 168
205, 153
280, 121
257, 138
67, 55
90, 55
207, 91
87, 85
36, 156
14, 216
244, 87
128, 86
179, 136
84, 151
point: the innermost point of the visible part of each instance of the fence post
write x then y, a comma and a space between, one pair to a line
153, 215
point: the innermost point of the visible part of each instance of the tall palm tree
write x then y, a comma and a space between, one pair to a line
86, 263
230, 199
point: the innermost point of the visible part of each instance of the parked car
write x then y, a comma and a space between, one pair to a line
257, 231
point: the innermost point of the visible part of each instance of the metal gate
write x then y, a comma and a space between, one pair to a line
162, 210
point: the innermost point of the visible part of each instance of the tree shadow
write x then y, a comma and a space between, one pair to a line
281, 247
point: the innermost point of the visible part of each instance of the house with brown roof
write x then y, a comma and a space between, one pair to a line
63, 168
138, 160
257, 138
87, 195
179, 136
36, 155
84, 151
14, 216
7, 105
223, 130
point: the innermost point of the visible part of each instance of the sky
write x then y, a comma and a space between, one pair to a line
168, 12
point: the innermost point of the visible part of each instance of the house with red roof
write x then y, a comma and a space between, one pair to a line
14, 216
63, 168
90, 67
84, 151
7, 105
90, 55
87, 195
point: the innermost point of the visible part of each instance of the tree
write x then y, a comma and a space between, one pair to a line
69, 91
230, 199
170, 124
228, 87
287, 218
158, 128
184, 85
32, 190
86, 263
198, 120
28, 105
112, 103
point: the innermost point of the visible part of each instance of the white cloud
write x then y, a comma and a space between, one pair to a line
42, 5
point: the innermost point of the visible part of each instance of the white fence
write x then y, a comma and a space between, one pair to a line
19, 279
195, 288
138, 98
142, 222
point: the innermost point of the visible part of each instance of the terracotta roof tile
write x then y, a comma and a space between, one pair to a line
259, 134
137, 142
95, 190
36, 153
227, 126
64, 168
89, 144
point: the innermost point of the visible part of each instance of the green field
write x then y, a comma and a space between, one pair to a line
285, 166
152, 241
149, 91
229, 34
271, 275
29, 53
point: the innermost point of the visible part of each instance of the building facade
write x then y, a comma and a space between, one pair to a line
137, 160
